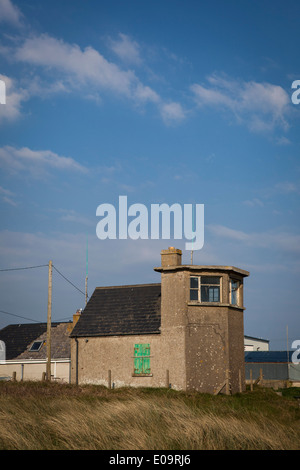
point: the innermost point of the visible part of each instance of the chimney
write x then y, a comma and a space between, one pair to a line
171, 257
76, 316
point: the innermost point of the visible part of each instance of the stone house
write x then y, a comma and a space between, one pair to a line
25, 355
186, 332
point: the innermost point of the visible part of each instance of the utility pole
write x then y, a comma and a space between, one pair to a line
86, 272
48, 372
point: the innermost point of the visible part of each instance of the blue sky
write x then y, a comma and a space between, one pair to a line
164, 102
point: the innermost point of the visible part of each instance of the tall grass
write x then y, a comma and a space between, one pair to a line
52, 416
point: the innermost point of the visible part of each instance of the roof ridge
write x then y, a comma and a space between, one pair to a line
129, 285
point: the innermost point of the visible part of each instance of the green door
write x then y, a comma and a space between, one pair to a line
142, 358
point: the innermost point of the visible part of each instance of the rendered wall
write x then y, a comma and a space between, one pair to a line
96, 356
34, 370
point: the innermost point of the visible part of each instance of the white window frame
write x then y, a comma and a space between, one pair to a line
34, 342
237, 290
199, 300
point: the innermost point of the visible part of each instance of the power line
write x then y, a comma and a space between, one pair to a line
26, 267
42, 266
68, 280
19, 316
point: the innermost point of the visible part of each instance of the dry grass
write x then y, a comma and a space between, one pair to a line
53, 416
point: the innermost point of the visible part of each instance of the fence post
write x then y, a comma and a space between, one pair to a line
261, 377
251, 381
109, 379
167, 379
240, 381
14, 376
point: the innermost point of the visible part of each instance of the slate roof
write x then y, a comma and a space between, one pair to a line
121, 310
267, 356
19, 337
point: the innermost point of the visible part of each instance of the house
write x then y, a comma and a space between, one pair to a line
256, 344
26, 351
186, 332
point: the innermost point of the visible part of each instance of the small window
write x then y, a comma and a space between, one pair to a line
205, 288
194, 288
142, 359
36, 346
234, 290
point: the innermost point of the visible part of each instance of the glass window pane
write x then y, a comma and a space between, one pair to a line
210, 294
194, 294
215, 280
194, 282
204, 294
234, 290
36, 346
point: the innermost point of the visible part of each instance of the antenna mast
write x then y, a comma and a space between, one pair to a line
86, 271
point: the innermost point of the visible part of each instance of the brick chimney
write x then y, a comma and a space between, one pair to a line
76, 316
171, 257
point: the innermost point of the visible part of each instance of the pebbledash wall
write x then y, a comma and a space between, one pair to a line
200, 339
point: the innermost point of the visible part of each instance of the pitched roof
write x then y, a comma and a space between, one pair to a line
60, 343
19, 337
121, 310
257, 339
268, 356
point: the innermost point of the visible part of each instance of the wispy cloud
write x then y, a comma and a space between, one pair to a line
84, 65
7, 196
259, 106
274, 240
87, 69
287, 187
172, 112
36, 162
254, 202
15, 96
9, 13
126, 49
74, 217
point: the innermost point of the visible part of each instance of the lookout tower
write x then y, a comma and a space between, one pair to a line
203, 308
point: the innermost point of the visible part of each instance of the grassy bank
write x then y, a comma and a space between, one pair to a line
55, 416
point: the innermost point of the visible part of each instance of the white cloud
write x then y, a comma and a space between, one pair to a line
274, 240
9, 13
74, 217
7, 196
35, 161
254, 202
86, 65
260, 106
79, 69
287, 187
14, 99
172, 112
126, 49
144, 93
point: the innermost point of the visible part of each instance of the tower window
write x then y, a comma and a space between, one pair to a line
205, 288
234, 291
